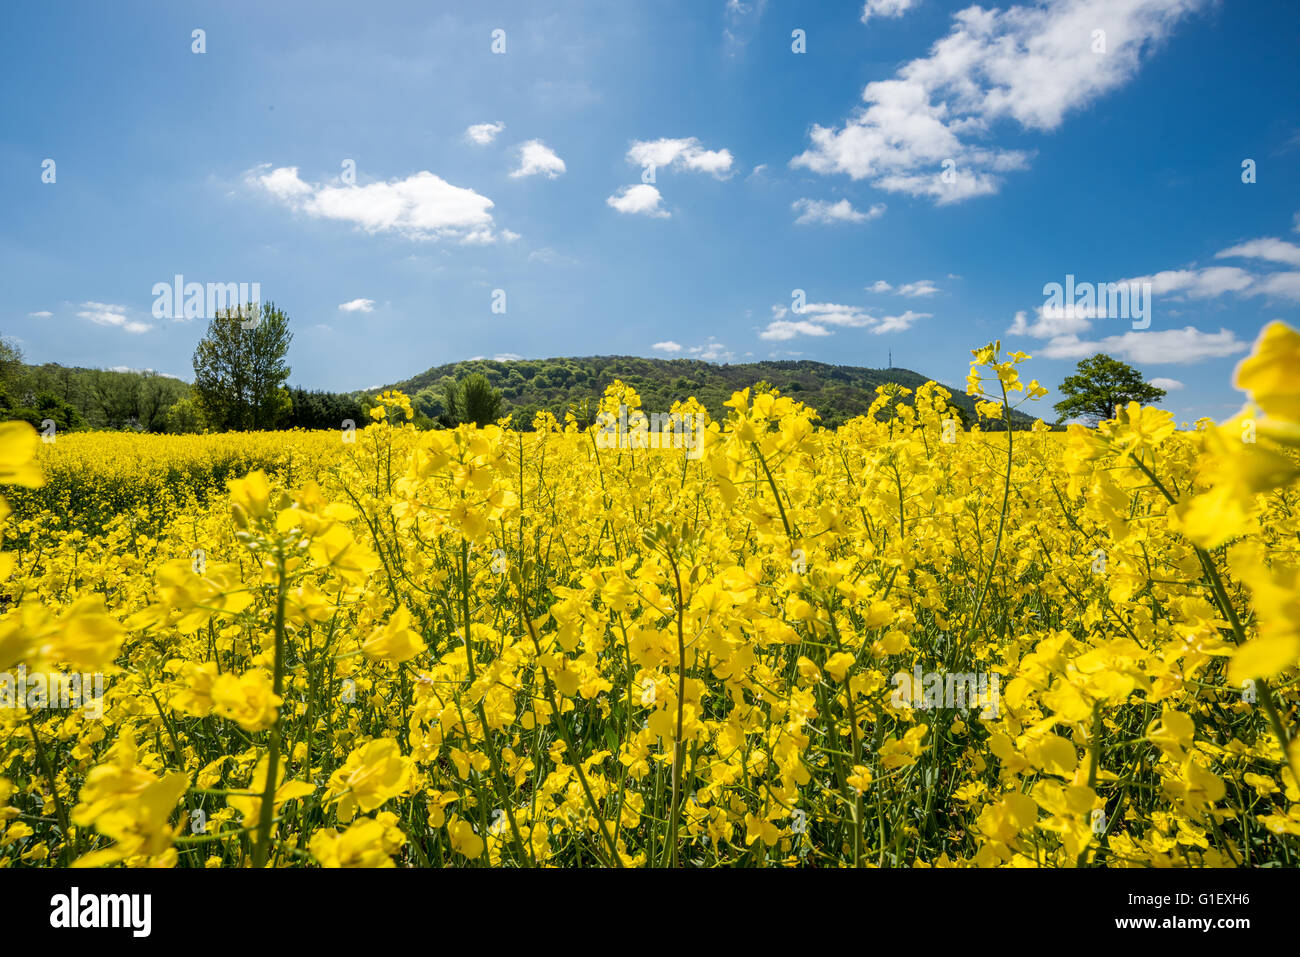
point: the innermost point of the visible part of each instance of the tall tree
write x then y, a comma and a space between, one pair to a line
239, 368
13, 371
473, 400
1099, 384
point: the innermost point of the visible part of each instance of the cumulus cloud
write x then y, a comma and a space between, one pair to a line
1272, 250
1213, 281
1169, 385
820, 319
1284, 284
41, 314
920, 288
1050, 323
681, 154
422, 206
886, 8
915, 290
712, 351
667, 346
484, 133
641, 198
922, 132
358, 305
104, 314
1205, 283
780, 330
821, 211
1165, 347
538, 159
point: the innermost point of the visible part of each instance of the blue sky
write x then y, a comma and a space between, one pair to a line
920, 172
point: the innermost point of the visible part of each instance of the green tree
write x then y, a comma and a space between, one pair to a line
47, 407
13, 371
239, 368
471, 400
183, 417
1101, 383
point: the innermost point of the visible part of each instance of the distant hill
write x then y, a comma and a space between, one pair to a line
838, 393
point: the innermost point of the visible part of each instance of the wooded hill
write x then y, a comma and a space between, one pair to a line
838, 393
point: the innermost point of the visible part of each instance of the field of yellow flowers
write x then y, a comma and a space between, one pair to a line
485, 647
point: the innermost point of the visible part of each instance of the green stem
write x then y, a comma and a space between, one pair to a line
262, 848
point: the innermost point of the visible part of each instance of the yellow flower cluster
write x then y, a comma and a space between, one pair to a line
898, 643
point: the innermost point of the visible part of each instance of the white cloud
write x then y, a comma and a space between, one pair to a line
780, 330
922, 287
668, 346
915, 290
822, 211
1285, 284
641, 198
898, 323
284, 183
1169, 385
1212, 281
536, 158
1030, 65
886, 8
422, 206
1205, 283
358, 305
484, 133
681, 154
1051, 323
42, 314
1273, 250
817, 318
1166, 347
103, 314
712, 351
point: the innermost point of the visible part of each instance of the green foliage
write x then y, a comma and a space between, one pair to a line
472, 400
1101, 383
323, 410
184, 417
129, 400
44, 409
240, 372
